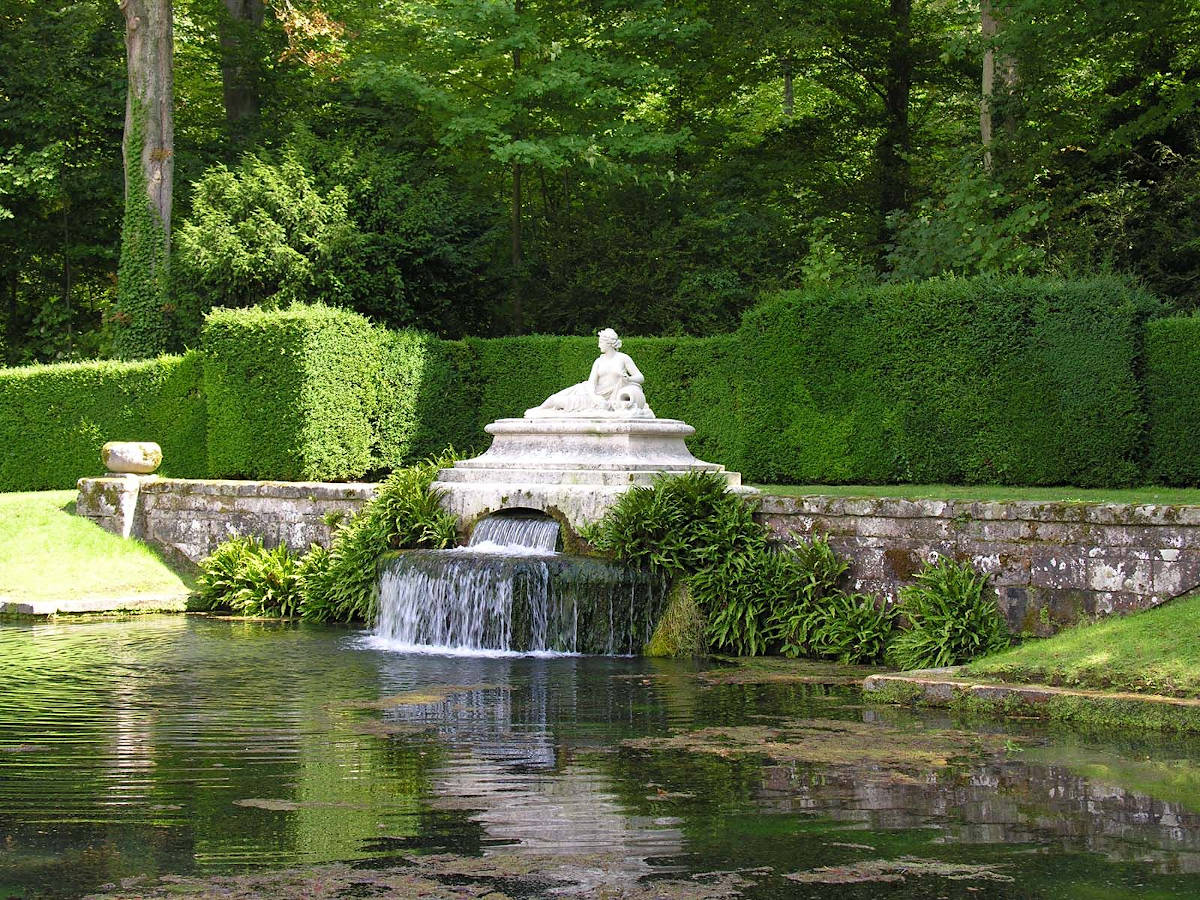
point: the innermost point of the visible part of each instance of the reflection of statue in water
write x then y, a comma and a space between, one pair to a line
614, 388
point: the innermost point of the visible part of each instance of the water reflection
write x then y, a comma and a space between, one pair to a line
184, 745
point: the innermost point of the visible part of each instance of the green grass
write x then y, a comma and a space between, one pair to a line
47, 553
1155, 652
1152, 494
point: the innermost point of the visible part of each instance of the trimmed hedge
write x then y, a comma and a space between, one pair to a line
54, 419
993, 380
428, 399
293, 393
1172, 374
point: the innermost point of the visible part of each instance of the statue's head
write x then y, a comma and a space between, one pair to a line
608, 338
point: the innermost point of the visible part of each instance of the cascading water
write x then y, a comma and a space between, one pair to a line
508, 590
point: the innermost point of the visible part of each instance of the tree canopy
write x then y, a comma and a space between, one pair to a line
507, 166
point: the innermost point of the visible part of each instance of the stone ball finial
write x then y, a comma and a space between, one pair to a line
136, 457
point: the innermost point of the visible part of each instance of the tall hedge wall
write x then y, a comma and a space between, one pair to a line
1173, 391
54, 419
292, 393
1003, 380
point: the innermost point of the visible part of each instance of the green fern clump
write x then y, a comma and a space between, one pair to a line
851, 629
335, 584
247, 579
757, 597
341, 583
679, 525
950, 620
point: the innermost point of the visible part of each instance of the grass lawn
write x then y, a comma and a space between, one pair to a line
1152, 494
48, 554
1156, 652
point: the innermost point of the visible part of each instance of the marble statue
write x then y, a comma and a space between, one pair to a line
613, 389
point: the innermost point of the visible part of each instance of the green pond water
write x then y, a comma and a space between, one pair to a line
191, 757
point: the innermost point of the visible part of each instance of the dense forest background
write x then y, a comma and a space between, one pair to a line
506, 166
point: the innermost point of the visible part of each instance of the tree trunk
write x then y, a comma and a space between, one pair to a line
518, 313
67, 276
240, 75
789, 97
148, 150
1007, 72
891, 152
10, 325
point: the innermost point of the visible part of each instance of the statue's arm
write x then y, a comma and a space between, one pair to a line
632, 372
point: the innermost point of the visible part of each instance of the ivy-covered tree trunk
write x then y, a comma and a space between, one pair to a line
148, 149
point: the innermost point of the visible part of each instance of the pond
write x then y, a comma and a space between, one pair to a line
192, 757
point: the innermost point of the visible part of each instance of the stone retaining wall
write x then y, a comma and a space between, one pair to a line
1052, 564
189, 518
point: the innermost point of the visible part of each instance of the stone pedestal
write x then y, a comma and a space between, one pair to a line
571, 467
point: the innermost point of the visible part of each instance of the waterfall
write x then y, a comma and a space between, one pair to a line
499, 534
509, 591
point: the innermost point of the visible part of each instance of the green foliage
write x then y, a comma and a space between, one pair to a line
54, 419
851, 629
1172, 368
61, 119
293, 393
682, 524
977, 228
754, 596
335, 584
949, 619
803, 586
342, 583
992, 380
245, 578
682, 630
264, 234
428, 398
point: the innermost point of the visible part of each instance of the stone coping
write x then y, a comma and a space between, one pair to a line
941, 687
229, 487
1091, 512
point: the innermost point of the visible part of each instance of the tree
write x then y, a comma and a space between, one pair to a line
148, 150
60, 179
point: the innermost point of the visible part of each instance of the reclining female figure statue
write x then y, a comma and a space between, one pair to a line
614, 388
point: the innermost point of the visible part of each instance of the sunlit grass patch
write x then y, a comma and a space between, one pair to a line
1156, 651
48, 553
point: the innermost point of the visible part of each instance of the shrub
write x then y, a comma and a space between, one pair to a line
428, 398
54, 419
342, 583
263, 234
949, 619
812, 576
292, 394
755, 596
1172, 364
852, 629
680, 525
247, 579
987, 380
335, 584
